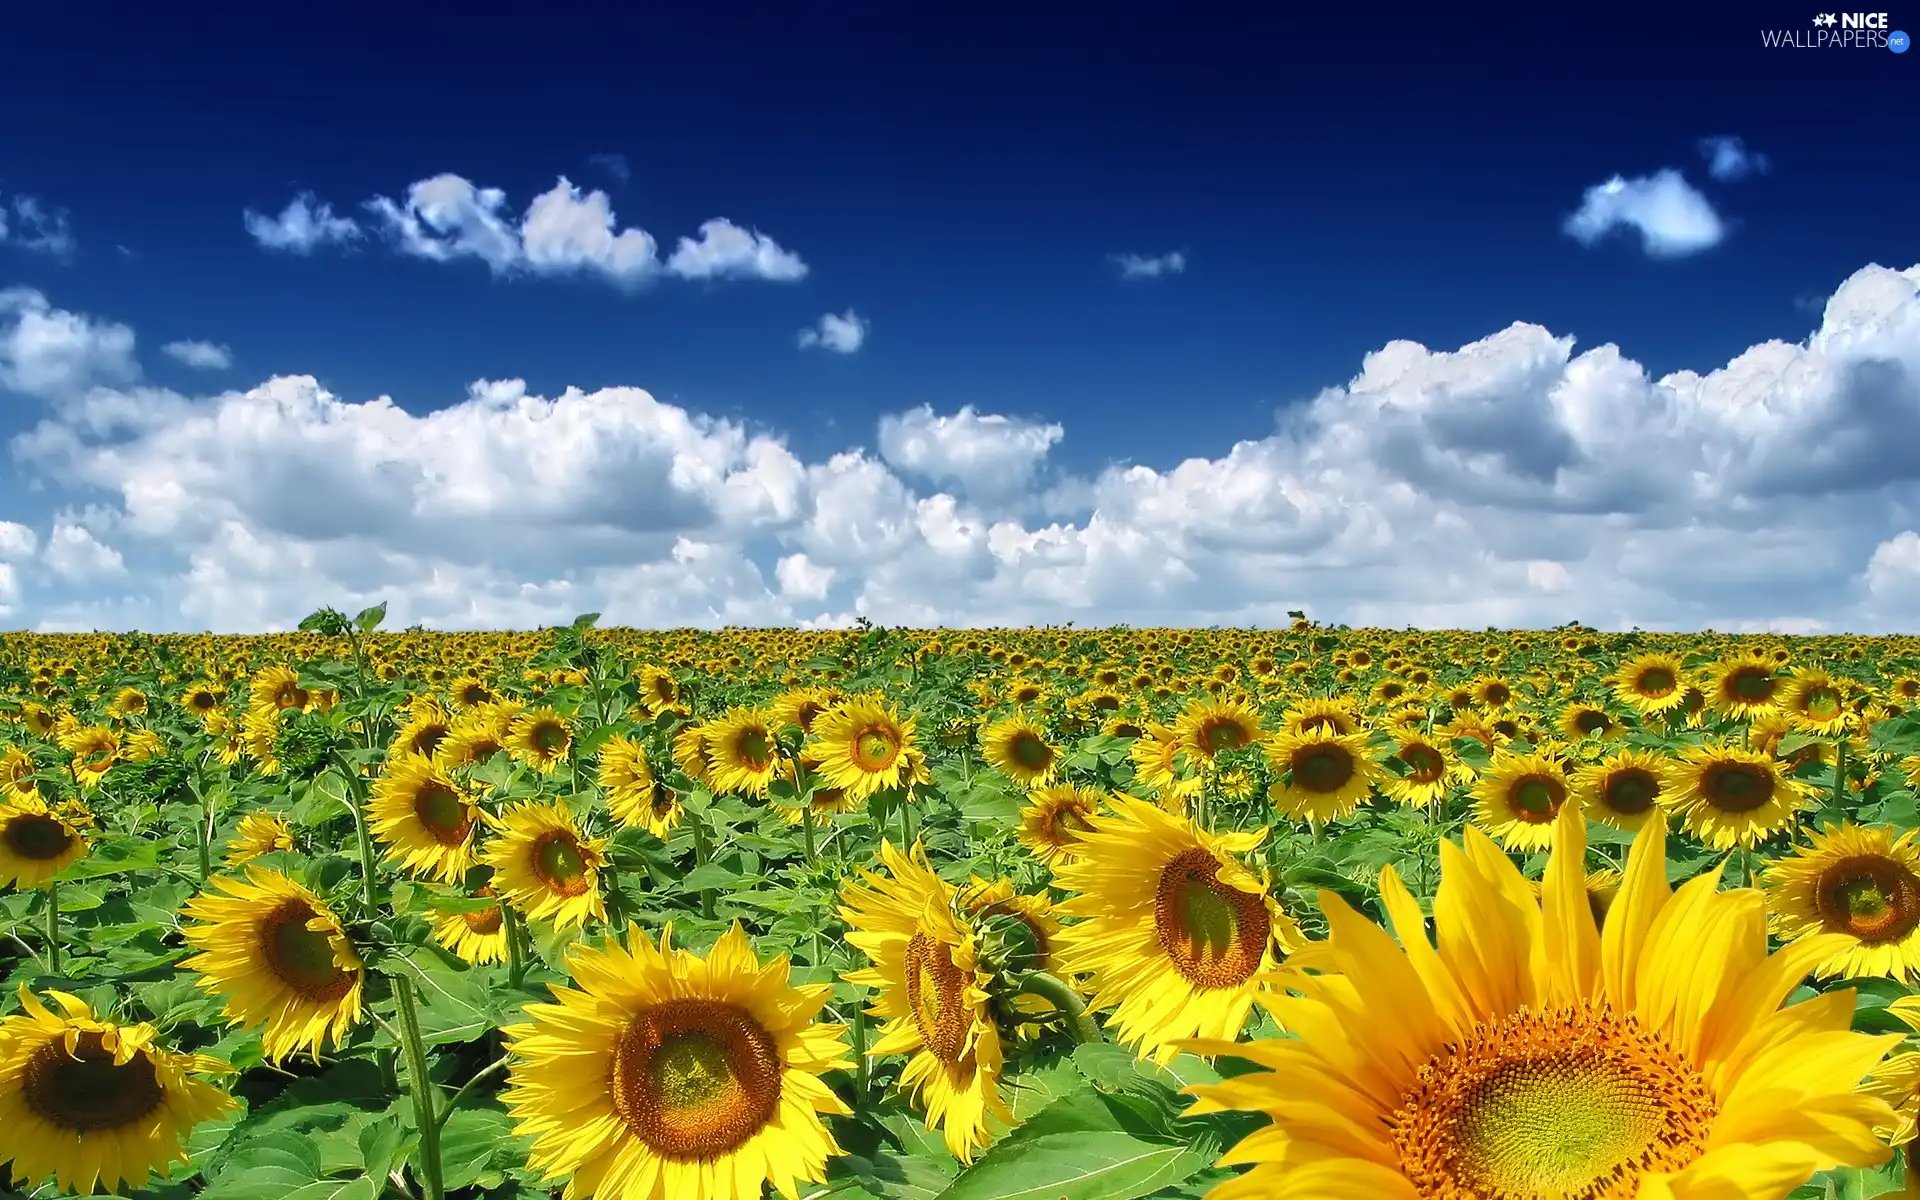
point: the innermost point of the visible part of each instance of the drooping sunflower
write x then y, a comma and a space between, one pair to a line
1651, 684
1433, 770
543, 867
1519, 798
1178, 935
799, 707
1323, 775
1532, 1055
1860, 883
745, 752
1017, 747
863, 747
478, 935
38, 841
662, 1074
693, 755
1814, 702
279, 956
932, 995
1743, 686
95, 749
540, 738
89, 1102
258, 833
1158, 767
1208, 727
1731, 796
424, 820
659, 690
17, 770
1624, 790
1054, 818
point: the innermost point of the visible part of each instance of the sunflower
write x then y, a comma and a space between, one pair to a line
662, 1074
1054, 819
1493, 693
1323, 775
1581, 720
540, 738
479, 935
543, 867
1533, 1055
258, 833
1729, 796
659, 691
95, 749
423, 819
469, 691
17, 770
1625, 789
276, 687
1209, 727
1432, 770
800, 707
89, 1102
933, 995
745, 752
423, 733
1651, 683
1857, 882
693, 754
863, 747
1178, 936
38, 841
1157, 766
473, 738
1742, 686
1338, 715
37, 719
279, 956
1519, 798
1017, 747
1813, 701
993, 903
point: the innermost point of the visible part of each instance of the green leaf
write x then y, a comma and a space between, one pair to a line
709, 877
1086, 1165
455, 1004
476, 1141
112, 856
370, 618
282, 1166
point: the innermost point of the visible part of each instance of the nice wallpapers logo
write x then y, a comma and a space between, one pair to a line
1840, 31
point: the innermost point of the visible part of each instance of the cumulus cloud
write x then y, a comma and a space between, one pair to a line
1672, 218
304, 225
565, 230
843, 333
202, 356
1728, 158
1140, 266
1520, 479
50, 353
34, 226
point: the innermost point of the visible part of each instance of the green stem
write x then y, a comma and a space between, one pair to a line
806, 825
702, 851
53, 928
860, 1067
421, 1086
1055, 991
516, 948
485, 1073
357, 801
206, 836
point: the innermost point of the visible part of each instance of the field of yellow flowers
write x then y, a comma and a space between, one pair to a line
1032, 914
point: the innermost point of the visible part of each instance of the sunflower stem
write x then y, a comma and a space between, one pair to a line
52, 901
702, 852
806, 826
516, 950
481, 1076
860, 1067
205, 831
357, 801
1055, 991
421, 1086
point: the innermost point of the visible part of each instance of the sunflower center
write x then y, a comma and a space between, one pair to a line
1497, 693
428, 739
442, 813
1214, 935
695, 1079
1222, 733
1873, 898
1068, 822
1631, 791
1570, 1103
559, 865
84, 1090
1323, 769
1655, 681
98, 756
300, 957
1592, 720
937, 993
549, 737
1029, 751
1823, 702
1425, 763
1537, 798
875, 749
1752, 684
1737, 786
37, 837
756, 748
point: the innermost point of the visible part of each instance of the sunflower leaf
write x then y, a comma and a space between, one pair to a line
1082, 1165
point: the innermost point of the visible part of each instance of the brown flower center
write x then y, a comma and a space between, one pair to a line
84, 1091
937, 994
300, 957
1871, 897
1214, 935
695, 1079
37, 837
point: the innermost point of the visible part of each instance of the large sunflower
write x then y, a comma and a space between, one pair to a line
38, 841
1532, 1056
745, 752
933, 995
540, 738
1054, 819
863, 747
543, 867
1323, 775
1207, 728
279, 956
1743, 686
1519, 797
424, 820
662, 1074
1860, 883
1017, 747
1813, 701
95, 749
1178, 936
90, 1102
1625, 789
1651, 683
1432, 770
1730, 796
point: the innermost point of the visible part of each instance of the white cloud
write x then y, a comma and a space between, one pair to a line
1516, 480
51, 353
202, 356
842, 333
303, 226
1671, 217
34, 226
1136, 266
1729, 159
564, 231
17, 541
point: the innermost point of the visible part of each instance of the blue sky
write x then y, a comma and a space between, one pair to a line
970, 192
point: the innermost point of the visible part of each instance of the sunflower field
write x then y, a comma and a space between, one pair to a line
1018, 914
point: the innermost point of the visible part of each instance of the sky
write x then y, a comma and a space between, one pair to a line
1157, 314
